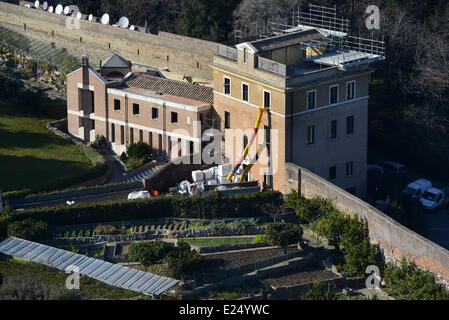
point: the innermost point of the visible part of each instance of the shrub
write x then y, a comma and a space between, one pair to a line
243, 225
407, 282
139, 150
182, 260
216, 226
320, 291
148, 253
331, 227
283, 234
358, 256
29, 229
260, 238
309, 210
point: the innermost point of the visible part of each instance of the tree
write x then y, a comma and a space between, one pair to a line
320, 291
283, 234
252, 16
29, 229
183, 260
148, 253
205, 19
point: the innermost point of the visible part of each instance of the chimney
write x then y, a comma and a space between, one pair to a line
85, 66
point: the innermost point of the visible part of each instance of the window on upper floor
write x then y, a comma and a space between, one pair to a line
349, 125
310, 134
267, 99
227, 124
92, 101
311, 99
245, 55
333, 133
227, 85
333, 173
174, 117
333, 94
349, 168
154, 113
350, 90
135, 109
245, 92
116, 105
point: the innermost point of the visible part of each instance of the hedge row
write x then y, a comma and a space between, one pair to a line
210, 206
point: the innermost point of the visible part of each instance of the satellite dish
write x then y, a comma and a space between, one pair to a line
79, 15
105, 19
36, 4
66, 10
91, 17
123, 22
45, 5
59, 9
50, 9
131, 28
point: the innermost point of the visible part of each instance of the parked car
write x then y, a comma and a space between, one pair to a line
416, 189
142, 194
435, 198
395, 166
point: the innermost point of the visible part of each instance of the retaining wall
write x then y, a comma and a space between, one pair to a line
394, 239
178, 53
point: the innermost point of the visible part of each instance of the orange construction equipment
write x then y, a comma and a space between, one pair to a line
245, 151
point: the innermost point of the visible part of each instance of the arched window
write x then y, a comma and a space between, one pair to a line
245, 55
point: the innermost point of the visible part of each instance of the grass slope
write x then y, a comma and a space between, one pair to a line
30, 155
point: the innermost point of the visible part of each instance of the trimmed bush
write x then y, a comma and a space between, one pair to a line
215, 206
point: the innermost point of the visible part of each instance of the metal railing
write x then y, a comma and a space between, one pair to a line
227, 52
272, 66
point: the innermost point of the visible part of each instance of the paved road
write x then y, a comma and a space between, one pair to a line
436, 227
86, 199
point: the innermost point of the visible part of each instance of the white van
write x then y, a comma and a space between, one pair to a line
417, 188
435, 198
143, 194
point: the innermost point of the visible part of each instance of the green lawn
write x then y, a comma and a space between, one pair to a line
31, 156
206, 242
55, 280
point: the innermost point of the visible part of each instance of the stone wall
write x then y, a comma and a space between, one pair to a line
394, 239
178, 53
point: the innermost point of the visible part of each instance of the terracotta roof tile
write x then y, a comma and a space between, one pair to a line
171, 87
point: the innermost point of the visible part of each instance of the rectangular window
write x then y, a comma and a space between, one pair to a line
154, 113
92, 101
150, 139
333, 173
311, 99
227, 123
116, 105
122, 135
131, 135
349, 168
333, 94
112, 132
245, 55
174, 117
310, 134
140, 135
267, 99
350, 90
245, 92
191, 147
135, 108
333, 134
350, 125
227, 85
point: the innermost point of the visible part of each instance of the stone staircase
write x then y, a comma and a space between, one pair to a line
141, 176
